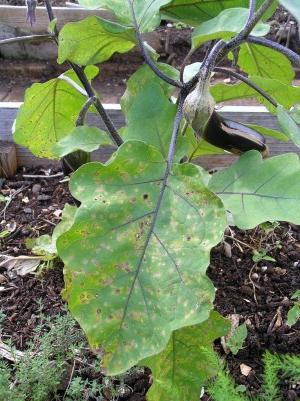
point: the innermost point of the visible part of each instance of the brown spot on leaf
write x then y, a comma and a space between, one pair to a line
124, 266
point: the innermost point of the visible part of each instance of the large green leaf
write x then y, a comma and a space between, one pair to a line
150, 114
49, 113
147, 11
93, 40
288, 125
226, 25
194, 12
143, 77
267, 63
190, 71
286, 95
269, 132
151, 120
137, 253
226, 92
295, 113
183, 367
83, 138
256, 190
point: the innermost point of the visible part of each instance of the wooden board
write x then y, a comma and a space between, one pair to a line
8, 159
15, 16
243, 114
13, 19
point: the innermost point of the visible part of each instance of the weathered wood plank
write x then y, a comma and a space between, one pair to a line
8, 159
13, 23
15, 16
243, 114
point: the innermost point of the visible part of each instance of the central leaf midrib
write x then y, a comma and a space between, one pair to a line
150, 233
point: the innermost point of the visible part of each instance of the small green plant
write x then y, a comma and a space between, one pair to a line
37, 374
47, 368
223, 388
294, 312
259, 256
235, 342
269, 227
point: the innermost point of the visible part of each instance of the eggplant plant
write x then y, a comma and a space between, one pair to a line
137, 251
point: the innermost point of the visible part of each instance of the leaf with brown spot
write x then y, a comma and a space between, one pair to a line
148, 267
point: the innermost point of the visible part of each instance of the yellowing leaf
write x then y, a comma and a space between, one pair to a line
137, 253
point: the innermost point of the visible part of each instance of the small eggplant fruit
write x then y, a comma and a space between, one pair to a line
199, 106
232, 136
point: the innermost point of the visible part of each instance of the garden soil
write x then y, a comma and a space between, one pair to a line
258, 293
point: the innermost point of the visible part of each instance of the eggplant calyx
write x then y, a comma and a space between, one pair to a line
199, 106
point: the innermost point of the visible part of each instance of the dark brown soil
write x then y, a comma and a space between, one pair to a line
259, 293
33, 209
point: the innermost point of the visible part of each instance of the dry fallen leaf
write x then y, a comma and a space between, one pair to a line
10, 354
227, 249
245, 369
20, 265
277, 321
280, 271
11, 226
57, 213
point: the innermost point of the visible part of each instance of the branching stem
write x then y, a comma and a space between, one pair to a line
243, 35
292, 56
112, 131
221, 48
145, 54
83, 112
248, 82
207, 65
253, 19
252, 7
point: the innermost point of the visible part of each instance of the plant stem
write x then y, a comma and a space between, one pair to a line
244, 34
248, 82
253, 20
292, 56
252, 7
207, 65
145, 54
30, 38
112, 131
175, 132
83, 112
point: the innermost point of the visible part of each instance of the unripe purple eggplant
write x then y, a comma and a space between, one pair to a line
232, 136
